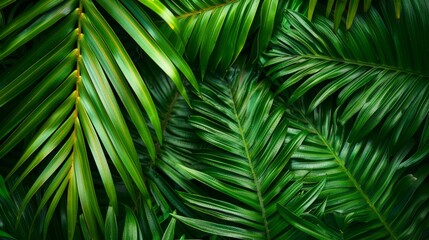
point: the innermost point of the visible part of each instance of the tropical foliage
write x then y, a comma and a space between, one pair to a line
220, 119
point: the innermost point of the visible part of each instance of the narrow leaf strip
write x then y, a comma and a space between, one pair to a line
126, 65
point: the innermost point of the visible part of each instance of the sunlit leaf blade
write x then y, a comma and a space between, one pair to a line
72, 203
158, 35
142, 37
131, 227
99, 157
163, 12
126, 65
169, 232
115, 76
351, 13
311, 7
127, 152
107, 103
85, 187
340, 6
111, 225
398, 4
268, 13
112, 149
210, 36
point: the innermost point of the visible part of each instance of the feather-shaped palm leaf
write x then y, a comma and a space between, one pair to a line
245, 161
219, 30
378, 71
68, 96
370, 193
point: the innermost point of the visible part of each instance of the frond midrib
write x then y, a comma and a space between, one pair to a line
364, 64
164, 124
340, 162
252, 169
168, 113
207, 9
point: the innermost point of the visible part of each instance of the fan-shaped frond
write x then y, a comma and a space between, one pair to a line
219, 30
245, 161
68, 96
377, 71
371, 193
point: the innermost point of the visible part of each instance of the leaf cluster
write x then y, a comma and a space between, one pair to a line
220, 119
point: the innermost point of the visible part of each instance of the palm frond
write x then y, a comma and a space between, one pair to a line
368, 190
66, 97
219, 30
245, 161
385, 89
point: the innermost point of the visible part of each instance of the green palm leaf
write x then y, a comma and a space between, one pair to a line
379, 90
66, 97
371, 192
246, 161
219, 30
98, 138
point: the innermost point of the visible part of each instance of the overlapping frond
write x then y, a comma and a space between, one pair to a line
369, 192
245, 160
377, 71
98, 137
68, 98
215, 32
180, 141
